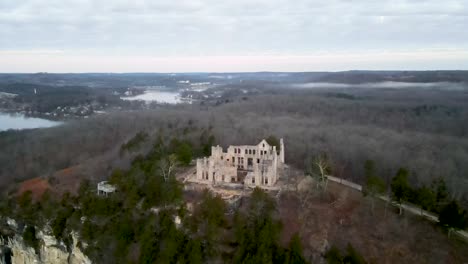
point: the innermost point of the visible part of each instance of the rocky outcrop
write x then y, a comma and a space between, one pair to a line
76, 255
50, 250
21, 254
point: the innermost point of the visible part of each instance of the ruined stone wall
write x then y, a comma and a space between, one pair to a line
261, 161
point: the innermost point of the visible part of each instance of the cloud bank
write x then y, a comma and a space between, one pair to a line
75, 35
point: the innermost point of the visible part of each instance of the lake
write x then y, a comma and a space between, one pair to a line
156, 96
19, 121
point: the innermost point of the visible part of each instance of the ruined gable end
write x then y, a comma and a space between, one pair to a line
251, 165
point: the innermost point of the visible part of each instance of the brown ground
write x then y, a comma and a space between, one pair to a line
68, 179
60, 182
343, 216
36, 185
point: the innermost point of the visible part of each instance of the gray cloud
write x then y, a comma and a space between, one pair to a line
237, 27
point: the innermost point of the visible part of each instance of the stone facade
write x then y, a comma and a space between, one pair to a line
256, 165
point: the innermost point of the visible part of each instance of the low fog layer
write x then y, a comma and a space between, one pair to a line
388, 85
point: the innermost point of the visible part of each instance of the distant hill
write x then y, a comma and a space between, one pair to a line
171, 79
355, 77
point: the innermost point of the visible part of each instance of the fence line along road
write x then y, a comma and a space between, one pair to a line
406, 206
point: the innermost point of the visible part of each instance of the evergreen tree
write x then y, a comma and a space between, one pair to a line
149, 247
453, 217
184, 153
400, 187
333, 256
193, 254
257, 234
29, 237
352, 256
294, 255
440, 189
425, 198
374, 184
207, 221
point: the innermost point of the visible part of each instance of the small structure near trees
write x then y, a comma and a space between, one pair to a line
105, 188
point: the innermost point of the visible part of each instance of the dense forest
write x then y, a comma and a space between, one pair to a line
423, 130
153, 219
407, 141
148, 220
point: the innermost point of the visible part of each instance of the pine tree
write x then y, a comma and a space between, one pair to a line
400, 187
453, 217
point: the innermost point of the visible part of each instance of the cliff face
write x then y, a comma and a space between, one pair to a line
20, 253
50, 251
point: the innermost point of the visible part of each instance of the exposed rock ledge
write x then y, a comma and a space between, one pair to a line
50, 251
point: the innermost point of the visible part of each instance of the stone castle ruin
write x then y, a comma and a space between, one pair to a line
256, 165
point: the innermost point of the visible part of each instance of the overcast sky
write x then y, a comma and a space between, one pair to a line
238, 35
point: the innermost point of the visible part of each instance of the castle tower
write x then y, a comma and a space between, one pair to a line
281, 150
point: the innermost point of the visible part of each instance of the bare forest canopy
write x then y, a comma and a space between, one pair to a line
421, 128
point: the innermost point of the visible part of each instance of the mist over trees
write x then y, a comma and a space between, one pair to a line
409, 143
423, 130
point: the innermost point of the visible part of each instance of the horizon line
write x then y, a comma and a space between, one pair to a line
238, 72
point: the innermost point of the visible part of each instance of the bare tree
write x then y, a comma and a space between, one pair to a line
167, 166
318, 169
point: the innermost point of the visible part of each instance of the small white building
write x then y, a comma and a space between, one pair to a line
105, 188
